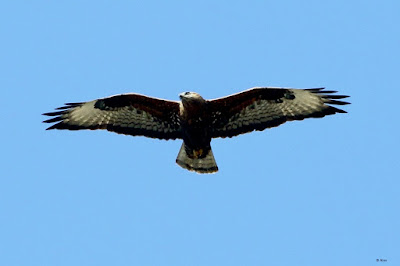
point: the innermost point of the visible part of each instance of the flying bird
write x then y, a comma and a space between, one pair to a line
196, 120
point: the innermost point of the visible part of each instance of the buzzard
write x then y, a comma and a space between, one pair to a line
196, 120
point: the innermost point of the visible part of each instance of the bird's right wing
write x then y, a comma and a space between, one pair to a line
131, 114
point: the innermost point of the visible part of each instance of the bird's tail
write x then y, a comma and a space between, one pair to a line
201, 161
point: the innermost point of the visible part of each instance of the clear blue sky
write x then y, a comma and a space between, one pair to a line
316, 192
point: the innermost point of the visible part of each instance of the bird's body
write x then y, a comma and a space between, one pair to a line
196, 120
196, 151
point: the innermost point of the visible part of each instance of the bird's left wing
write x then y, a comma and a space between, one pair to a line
131, 114
261, 108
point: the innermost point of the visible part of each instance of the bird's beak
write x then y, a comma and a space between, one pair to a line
181, 95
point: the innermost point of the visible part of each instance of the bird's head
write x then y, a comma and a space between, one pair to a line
190, 98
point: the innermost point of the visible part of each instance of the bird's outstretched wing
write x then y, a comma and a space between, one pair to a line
261, 108
131, 114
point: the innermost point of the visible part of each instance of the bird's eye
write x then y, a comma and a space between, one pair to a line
187, 93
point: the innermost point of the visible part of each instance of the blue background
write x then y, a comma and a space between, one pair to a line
315, 192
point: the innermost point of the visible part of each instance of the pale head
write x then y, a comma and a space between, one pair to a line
190, 98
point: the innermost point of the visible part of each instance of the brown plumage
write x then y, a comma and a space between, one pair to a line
196, 120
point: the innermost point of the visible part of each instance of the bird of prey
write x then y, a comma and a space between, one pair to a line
196, 120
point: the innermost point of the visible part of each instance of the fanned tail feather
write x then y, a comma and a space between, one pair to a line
202, 165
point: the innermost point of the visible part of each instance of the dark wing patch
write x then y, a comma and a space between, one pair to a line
261, 108
130, 114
